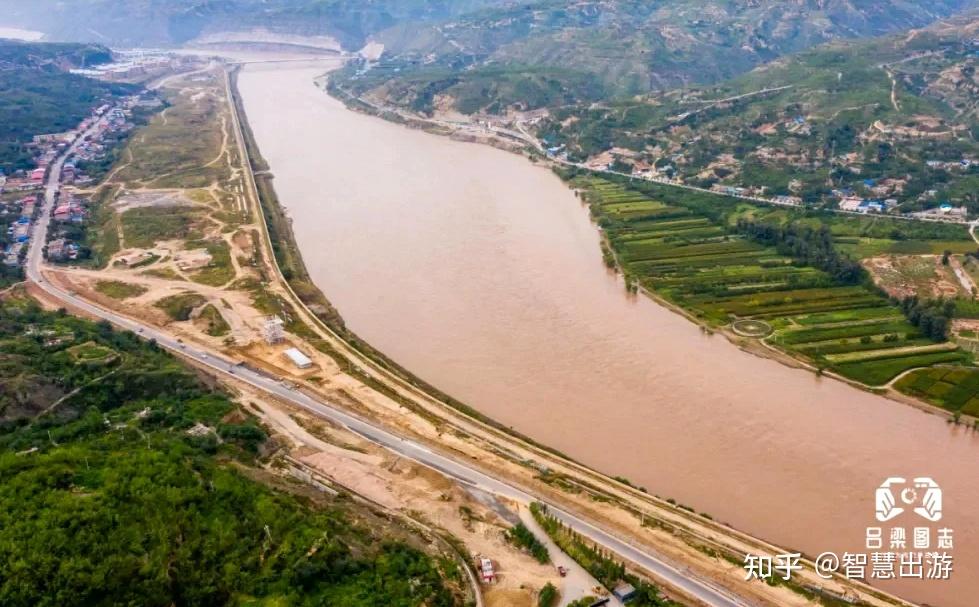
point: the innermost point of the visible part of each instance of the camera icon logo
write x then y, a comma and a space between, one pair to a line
896, 494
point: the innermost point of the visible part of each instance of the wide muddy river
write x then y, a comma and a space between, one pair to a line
482, 274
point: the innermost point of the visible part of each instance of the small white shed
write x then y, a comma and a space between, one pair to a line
298, 358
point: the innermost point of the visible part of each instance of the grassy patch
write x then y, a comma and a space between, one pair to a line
146, 482
179, 149
548, 596
179, 307
119, 290
524, 538
212, 321
165, 273
144, 227
220, 271
879, 372
91, 353
684, 247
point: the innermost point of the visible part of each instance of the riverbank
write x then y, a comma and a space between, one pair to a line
765, 349
648, 462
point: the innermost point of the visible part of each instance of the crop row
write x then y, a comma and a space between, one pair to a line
955, 388
700, 264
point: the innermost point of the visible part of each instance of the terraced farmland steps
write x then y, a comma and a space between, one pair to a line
693, 260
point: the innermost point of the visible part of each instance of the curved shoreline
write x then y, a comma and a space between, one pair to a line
761, 348
497, 428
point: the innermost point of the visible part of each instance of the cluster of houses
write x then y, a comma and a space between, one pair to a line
943, 212
756, 193
955, 165
61, 249
856, 204
94, 147
135, 65
29, 181
19, 230
850, 202
71, 209
23, 210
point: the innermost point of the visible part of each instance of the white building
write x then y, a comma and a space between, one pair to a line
298, 358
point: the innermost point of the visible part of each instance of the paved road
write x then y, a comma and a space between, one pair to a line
407, 448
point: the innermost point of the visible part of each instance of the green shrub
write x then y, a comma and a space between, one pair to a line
523, 537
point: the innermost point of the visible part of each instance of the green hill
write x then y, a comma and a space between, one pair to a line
836, 116
38, 95
554, 52
126, 480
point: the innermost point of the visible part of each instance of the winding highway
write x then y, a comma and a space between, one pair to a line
462, 472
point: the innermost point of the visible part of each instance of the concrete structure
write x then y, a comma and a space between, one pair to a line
132, 259
298, 358
192, 260
272, 330
624, 591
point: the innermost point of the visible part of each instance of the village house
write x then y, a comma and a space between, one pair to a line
790, 200
851, 203
944, 212
56, 250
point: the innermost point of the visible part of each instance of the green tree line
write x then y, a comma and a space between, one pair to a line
812, 246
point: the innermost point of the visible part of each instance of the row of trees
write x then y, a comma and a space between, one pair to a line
812, 246
523, 537
597, 561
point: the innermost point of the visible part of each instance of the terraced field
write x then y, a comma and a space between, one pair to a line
697, 262
954, 388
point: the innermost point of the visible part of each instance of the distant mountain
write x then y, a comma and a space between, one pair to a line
174, 22
52, 56
891, 117
554, 52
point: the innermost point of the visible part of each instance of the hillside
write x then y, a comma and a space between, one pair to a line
555, 52
126, 480
174, 22
38, 95
889, 117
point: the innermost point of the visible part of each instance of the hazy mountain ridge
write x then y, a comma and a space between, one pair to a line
174, 22
889, 117
633, 47
59, 56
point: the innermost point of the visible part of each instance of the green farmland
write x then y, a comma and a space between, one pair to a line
954, 388
689, 254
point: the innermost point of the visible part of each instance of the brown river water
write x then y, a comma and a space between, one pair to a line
482, 274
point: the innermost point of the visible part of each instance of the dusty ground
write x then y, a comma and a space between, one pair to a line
923, 275
401, 485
